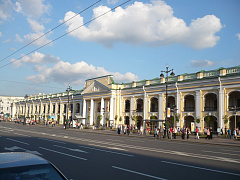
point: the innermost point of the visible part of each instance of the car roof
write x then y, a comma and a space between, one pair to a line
17, 159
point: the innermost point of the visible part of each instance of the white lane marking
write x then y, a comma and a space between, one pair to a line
229, 150
77, 150
62, 153
115, 148
21, 134
15, 148
114, 140
221, 153
135, 172
201, 168
52, 140
17, 141
107, 151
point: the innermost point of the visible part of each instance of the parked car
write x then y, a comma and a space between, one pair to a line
21, 165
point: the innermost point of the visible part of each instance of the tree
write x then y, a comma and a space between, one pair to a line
225, 119
207, 119
120, 119
99, 119
197, 119
116, 118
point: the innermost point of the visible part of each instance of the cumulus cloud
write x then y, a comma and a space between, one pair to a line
112, 1
18, 7
19, 39
238, 36
35, 58
202, 63
35, 26
32, 9
65, 72
145, 23
5, 9
0, 34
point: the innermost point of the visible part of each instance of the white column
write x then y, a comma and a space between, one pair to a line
111, 109
160, 106
91, 111
101, 111
80, 107
178, 107
84, 115
73, 113
131, 109
221, 106
60, 112
50, 105
145, 110
198, 106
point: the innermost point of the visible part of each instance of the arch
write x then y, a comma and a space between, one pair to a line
139, 121
232, 121
171, 101
210, 102
127, 105
188, 119
189, 103
139, 105
154, 105
126, 120
212, 123
189, 94
234, 98
210, 92
77, 107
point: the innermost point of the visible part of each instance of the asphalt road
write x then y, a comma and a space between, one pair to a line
83, 155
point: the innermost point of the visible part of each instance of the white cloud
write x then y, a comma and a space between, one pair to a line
35, 58
5, 9
19, 39
35, 26
65, 72
141, 24
202, 63
6, 41
0, 34
238, 35
112, 1
33, 9
40, 42
18, 7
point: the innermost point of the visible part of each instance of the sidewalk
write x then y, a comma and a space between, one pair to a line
215, 141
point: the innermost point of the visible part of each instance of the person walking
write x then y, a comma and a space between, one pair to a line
188, 133
128, 130
160, 132
208, 134
229, 133
218, 131
183, 132
141, 130
197, 131
171, 132
155, 131
211, 131
174, 132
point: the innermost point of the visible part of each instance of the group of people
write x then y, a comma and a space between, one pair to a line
126, 129
170, 133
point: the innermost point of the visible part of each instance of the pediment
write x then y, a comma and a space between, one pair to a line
96, 87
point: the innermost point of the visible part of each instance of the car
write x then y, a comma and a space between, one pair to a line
22, 165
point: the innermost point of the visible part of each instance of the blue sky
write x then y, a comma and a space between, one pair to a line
133, 42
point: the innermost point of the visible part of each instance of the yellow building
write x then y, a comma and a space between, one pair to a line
203, 99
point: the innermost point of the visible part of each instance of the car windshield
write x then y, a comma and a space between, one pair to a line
43, 172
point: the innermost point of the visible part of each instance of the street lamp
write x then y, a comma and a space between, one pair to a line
68, 91
235, 109
26, 96
166, 81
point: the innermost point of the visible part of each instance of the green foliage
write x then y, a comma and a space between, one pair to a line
207, 119
197, 120
116, 118
120, 118
225, 119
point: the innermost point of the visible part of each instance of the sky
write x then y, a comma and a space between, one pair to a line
47, 45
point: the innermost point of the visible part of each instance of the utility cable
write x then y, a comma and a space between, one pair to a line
49, 31
67, 33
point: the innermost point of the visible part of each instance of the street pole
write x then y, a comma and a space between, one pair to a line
166, 81
68, 92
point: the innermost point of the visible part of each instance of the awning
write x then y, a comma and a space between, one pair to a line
78, 117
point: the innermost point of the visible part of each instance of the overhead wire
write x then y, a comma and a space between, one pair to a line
67, 33
49, 31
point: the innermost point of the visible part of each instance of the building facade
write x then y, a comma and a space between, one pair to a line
6, 105
203, 99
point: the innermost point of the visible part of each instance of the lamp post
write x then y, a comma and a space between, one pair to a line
26, 96
235, 109
166, 81
68, 91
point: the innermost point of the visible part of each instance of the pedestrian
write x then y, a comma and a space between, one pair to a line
174, 132
218, 131
233, 133
211, 131
222, 131
160, 132
141, 130
183, 132
188, 133
128, 130
208, 134
197, 131
155, 131
229, 133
